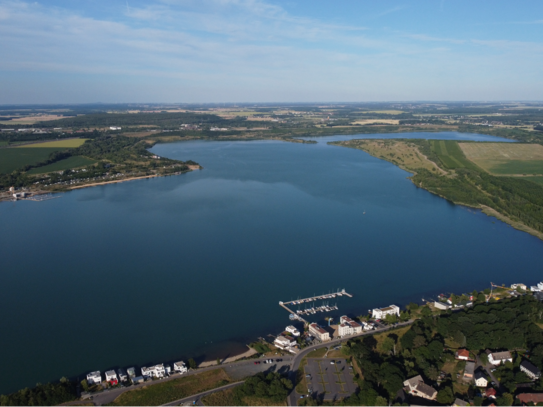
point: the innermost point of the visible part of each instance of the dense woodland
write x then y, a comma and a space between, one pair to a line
273, 387
50, 394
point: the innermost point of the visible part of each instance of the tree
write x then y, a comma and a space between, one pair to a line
432, 373
505, 400
387, 345
481, 297
391, 318
85, 385
445, 396
380, 401
484, 358
478, 401
192, 363
426, 311
218, 361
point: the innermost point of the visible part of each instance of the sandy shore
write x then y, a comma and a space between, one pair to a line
112, 182
247, 354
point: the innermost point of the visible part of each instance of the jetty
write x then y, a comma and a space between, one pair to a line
311, 310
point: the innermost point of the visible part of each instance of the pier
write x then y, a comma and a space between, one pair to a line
297, 315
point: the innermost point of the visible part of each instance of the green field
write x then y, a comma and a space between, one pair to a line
450, 154
537, 180
15, 158
69, 143
518, 167
68, 163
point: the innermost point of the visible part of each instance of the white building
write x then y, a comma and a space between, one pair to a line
348, 326
180, 367
123, 377
131, 372
284, 342
417, 387
114, 128
292, 330
111, 377
521, 286
441, 305
498, 358
368, 326
480, 379
535, 289
168, 369
380, 313
319, 333
154, 371
540, 286
94, 377
531, 371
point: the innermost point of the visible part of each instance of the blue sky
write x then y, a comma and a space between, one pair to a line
79, 51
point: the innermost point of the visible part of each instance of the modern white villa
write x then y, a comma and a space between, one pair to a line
292, 330
180, 367
380, 313
154, 371
94, 377
111, 377
123, 377
284, 342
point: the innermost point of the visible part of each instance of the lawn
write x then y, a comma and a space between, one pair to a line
506, 158
451, 155
68, 163
15, 158
226, 398
68, 143
172, 390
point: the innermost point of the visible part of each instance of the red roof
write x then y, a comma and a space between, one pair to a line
533, 397
463, 353
490, 392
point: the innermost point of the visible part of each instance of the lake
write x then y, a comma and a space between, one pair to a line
194, 265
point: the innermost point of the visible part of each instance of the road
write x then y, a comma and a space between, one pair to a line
293, 397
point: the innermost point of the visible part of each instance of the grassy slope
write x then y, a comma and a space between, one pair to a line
14, 158
518, 167
172, 390
70, 143
68, 163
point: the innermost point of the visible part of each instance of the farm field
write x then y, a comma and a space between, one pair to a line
69, 143
451, 155
537, 180
12, 159
68, 163
372, 121
506, 158
162, 393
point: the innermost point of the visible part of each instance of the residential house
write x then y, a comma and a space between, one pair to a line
535, 288
441, 305
417, 387
540, 286
380, 313
284, 342
111, 377
462, 354
526, 398
368, 326
490, 393
154, 371
131, 372
480, 379
469, 370
291, 329
531, 371
521, 286
123, 377
460, 403
319, 333
138, 380
94, 377
497, 358
168, 369
180, 367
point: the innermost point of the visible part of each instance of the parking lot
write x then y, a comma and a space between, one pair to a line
329, 379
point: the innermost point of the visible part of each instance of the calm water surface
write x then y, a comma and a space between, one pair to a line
194, 265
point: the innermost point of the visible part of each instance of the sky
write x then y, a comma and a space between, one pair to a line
210, 51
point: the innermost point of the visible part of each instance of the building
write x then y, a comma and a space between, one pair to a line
131, 372
535, 288
368, 326
480, 379
168, 369
540, 286
521, 286
153, 371
138, 380
417, 387
180, 367
292, 330
531, 371
111, 377
380, 313
114, 128
469, 370
284, 342
490, 393
526, 398
94, 377
462, 354
460, 403
497, 358
123, 377
319, 333
441, 305
348, 327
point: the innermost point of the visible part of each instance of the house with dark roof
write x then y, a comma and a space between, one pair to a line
531, 371
469, 370
417, 387
480, 379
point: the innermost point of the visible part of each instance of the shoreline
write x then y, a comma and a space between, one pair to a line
248, 353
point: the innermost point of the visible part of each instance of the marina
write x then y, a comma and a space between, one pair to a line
310, 308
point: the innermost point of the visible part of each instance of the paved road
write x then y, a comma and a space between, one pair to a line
293, 397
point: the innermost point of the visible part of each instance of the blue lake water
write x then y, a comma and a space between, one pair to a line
162, 269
